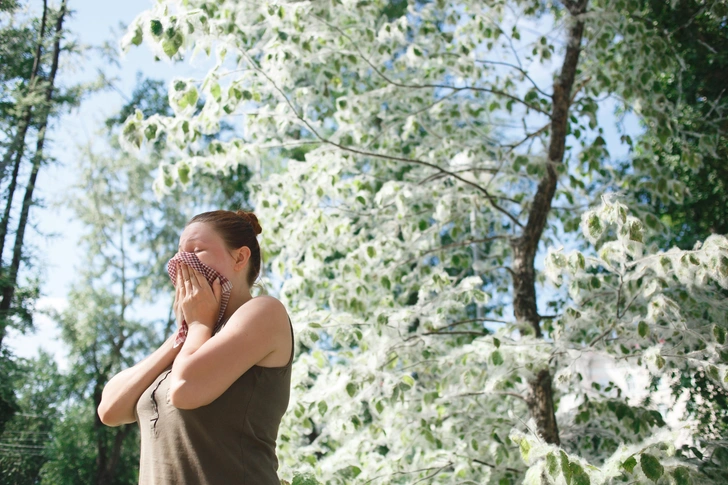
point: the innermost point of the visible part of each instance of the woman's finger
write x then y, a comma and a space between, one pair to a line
188, 286
194, 278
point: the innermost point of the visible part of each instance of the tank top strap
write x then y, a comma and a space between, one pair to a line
293, 341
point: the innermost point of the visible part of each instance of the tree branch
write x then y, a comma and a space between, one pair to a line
315, 132
429, 85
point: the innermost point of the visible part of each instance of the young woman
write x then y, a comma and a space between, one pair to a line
209, 408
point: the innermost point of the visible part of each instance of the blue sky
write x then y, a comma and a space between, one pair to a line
93, 22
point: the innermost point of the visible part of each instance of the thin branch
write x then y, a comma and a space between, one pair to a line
431, 86
513, 146
497, 393
459, 244
472, 320
315, 132
481, 462
519, 69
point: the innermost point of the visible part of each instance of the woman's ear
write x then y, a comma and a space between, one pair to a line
242, 256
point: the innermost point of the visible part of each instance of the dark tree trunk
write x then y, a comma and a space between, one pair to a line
541, 401
9, 283
17, 146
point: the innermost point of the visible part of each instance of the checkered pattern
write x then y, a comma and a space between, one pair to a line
211, 275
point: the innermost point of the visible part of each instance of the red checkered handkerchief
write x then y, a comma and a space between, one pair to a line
211, 275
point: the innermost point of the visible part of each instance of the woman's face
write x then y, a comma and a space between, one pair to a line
206, 243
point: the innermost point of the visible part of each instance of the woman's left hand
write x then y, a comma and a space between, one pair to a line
200, 303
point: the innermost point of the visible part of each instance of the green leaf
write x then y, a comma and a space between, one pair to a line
565, 467
579, 476
629, 464
719, 334
594, 226
519, 162
681, 475
216, 91
305, 479
191, 97
407, 379
496, 342
496, 358
322, 407
552, 464
713, 372
525, 447
371, 252
643, 329
150, 131
138, 36
171, 46
131, 133
635, 232
156, 28
351, 389
651, 467
183, 171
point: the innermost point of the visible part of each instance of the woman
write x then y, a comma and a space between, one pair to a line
209, 409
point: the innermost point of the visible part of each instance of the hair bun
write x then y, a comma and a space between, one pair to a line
252, 219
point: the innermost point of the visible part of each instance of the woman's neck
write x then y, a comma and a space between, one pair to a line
237, 299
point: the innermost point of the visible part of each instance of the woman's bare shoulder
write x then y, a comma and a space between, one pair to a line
263, 308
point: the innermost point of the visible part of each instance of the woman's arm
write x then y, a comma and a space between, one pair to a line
122, 392
205, 368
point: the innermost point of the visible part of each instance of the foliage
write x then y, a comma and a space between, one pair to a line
129, 237
432, 136
25, 443
697, 33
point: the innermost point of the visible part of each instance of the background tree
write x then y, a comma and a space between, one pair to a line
27, 75
130, 237
446, 141
697, 32
26, 443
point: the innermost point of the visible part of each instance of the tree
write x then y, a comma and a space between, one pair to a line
697, 33
9, 282
26, 441
411, 226
130, 237
20, 77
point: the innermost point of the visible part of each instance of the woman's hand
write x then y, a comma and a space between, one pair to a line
200, 303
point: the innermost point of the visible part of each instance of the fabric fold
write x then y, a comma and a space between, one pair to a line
211, 275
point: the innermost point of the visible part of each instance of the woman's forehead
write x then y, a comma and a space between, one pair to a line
197, 232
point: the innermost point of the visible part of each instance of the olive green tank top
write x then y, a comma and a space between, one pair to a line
230, 441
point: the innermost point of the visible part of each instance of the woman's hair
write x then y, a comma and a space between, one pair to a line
237, 229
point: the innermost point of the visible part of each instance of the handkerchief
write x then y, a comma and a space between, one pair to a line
211, 275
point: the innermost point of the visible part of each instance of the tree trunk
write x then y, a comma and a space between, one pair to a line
17, 146
107, 459
541, 401
9, 284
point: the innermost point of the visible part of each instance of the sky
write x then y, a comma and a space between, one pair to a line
93, 22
